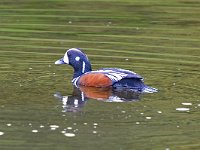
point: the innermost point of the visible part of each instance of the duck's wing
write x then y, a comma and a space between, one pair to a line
117, 74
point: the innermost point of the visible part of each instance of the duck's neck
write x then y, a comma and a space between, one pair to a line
78, 71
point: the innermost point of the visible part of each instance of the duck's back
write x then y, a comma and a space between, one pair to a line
122, 78
116, 74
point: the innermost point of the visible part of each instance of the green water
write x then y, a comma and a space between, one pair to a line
157, 39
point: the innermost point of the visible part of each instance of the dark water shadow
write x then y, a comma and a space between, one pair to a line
76, 101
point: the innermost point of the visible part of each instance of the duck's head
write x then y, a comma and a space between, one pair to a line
77, 59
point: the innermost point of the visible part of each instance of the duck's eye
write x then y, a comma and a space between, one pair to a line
77, 58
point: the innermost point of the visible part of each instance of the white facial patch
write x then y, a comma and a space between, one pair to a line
77, 58
66, 58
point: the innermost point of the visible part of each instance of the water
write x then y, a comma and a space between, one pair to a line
157, 39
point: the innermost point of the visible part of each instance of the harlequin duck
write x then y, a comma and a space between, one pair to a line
105, 77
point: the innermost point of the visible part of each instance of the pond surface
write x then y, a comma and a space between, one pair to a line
40, 109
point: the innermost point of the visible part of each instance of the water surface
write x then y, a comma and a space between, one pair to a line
157, 39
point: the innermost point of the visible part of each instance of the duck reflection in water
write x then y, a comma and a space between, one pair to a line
81, 94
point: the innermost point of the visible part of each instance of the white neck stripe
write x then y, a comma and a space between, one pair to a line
83, 67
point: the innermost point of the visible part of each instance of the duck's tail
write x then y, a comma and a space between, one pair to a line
148, 89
